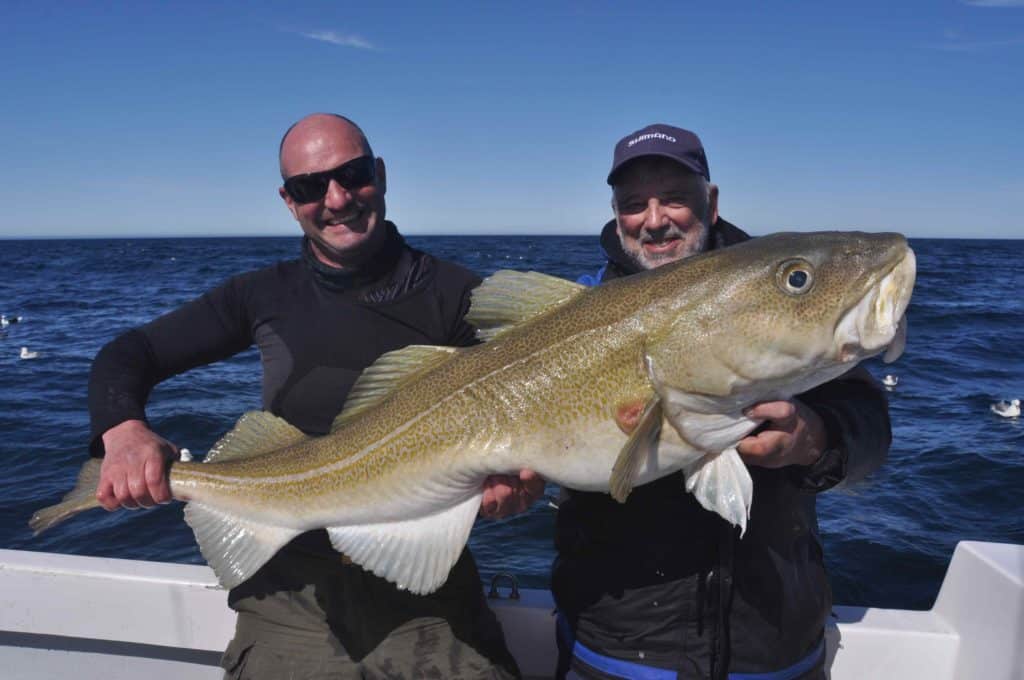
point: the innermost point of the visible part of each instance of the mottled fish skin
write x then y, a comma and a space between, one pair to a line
707, 336
556, 377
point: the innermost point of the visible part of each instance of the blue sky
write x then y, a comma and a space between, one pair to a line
159, 118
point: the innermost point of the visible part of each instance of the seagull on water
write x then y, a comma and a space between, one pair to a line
890, 380
25, 354
5, 322
1007, 409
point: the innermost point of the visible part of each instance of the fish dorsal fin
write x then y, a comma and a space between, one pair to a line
640, 444
255, 433
234, 547
387, 374
415, 554
507, 298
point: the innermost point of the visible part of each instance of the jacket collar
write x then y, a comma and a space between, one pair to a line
374, 269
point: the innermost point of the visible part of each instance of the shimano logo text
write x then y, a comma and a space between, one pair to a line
653, 135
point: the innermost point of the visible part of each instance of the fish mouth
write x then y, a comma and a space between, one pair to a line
878, 321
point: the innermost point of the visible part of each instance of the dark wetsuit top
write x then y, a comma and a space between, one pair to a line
316, 329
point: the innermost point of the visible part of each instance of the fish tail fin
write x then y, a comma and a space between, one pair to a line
81, 497
721, 483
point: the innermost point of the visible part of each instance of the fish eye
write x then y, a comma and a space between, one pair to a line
796, 277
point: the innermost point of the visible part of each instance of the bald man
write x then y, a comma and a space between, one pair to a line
356, 291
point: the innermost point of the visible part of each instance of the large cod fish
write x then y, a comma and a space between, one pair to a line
598, 389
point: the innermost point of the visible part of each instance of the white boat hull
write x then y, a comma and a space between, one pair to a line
66, 616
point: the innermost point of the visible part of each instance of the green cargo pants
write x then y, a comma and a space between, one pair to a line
308, 615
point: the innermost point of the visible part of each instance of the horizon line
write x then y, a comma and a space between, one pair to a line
440, 234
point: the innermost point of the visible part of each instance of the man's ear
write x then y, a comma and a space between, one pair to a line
382, 176
615, 213
288, 202
712, 204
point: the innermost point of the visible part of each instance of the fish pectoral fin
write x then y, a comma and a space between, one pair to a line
708, 431
721, 483
642, 439
384, 376
255, 433
415, 554
234, 547
508, 298
704, 422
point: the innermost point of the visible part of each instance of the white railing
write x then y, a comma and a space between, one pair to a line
66, 616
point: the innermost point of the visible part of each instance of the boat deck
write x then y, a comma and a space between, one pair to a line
97, 618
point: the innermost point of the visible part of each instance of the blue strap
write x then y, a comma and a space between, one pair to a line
790, 672
628, 669
620, 668
606, 664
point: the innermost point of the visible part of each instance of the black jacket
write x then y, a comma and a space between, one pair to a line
660, 580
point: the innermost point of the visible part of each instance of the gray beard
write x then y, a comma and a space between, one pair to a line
642, 260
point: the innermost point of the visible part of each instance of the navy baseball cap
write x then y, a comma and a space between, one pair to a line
680, 145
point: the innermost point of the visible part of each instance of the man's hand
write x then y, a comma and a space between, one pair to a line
794, 435
506, 495
134, 469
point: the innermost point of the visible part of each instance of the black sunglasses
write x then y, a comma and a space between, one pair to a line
354, 174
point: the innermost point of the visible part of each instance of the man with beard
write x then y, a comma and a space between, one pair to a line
357, 291
659, 587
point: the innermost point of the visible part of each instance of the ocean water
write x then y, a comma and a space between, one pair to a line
955, 472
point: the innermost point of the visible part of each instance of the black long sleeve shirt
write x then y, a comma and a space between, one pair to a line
316, 330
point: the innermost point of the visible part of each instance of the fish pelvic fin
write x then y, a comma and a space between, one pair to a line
640, 444
81, 497
719, 480
415, 554
721, 483
387, 375
234, 547
255, 433
508, 298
